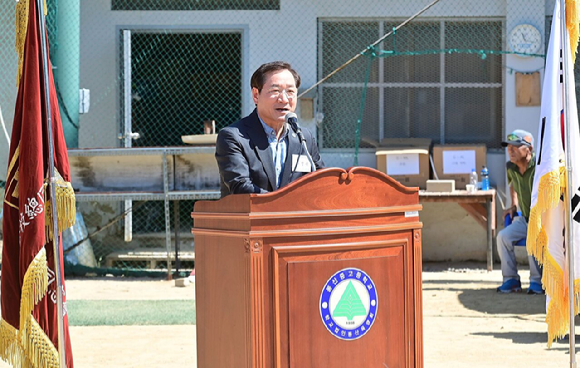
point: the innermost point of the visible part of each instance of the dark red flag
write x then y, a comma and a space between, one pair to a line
29, 325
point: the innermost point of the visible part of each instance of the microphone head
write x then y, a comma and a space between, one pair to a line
291, 118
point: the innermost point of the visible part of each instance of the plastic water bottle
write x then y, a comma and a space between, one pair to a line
484, 178
473, 179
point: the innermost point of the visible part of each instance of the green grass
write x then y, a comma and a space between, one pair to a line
130, 312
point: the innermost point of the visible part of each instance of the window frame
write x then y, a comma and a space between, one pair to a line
137, 5
242, 30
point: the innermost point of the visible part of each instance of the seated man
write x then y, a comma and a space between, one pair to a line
261, 153
520, 174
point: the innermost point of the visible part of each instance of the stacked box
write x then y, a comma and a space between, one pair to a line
455, 161
405, 160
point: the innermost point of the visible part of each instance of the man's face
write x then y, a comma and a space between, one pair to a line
277, 98
518, 153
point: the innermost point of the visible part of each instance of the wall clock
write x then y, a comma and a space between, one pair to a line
525, 39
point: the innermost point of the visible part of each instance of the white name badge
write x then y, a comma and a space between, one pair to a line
301, 163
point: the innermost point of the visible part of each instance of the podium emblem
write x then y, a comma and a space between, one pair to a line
348, 304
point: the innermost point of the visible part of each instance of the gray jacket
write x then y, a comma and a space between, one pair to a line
246, 163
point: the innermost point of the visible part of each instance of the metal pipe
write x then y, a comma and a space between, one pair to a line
569, 192
55, 234
177, 225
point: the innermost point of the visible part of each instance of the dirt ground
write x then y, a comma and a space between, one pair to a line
466, 323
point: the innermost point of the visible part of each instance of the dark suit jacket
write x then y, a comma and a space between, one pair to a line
245, 162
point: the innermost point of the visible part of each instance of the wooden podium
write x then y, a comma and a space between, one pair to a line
325, 272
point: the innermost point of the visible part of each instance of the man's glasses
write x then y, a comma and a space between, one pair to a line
277, 93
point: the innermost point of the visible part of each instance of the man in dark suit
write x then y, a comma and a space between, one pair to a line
261, 153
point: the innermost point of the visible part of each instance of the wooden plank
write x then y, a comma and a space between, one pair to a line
151, 256
528, 89
146, 255
477, 211
458, 196
118, 173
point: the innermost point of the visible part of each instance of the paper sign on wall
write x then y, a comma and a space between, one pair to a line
458, 162
403, 164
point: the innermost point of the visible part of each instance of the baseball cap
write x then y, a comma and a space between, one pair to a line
518, 138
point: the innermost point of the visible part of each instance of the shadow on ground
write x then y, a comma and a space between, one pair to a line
531, 338
479, 293
517, 337
490, 302
455, 266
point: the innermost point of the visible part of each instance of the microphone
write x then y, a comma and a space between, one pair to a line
292, 120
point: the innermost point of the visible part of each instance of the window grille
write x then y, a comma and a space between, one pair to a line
195, 5
420, 91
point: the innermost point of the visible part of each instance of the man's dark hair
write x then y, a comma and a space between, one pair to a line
259, 76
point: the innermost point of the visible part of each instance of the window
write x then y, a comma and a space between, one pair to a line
180, 79
195, 5
450, 97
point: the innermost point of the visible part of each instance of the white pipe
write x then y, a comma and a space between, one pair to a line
4, 128
565, 42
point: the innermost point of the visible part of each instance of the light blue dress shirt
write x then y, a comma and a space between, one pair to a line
278, 148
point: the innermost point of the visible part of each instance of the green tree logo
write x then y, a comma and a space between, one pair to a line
349, 304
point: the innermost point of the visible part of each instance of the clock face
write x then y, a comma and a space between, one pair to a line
525, 39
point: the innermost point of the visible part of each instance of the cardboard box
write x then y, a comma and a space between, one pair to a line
440, 185
409, 166
455, 162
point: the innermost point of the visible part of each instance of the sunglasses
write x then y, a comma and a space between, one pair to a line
516, 138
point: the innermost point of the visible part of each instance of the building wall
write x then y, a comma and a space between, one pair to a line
288, 34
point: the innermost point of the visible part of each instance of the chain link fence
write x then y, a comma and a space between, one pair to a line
97, 243
157, 69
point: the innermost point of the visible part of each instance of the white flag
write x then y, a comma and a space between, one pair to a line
547, 224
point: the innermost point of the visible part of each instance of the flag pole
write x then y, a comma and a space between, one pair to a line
55, 234
570, 191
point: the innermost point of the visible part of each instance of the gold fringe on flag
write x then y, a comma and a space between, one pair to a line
37, 346
10, 350
549, 192
558, 311
572, 24
21, 27
34, 286
20, 30
552, 278
65, 207
556, 316
30, 346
